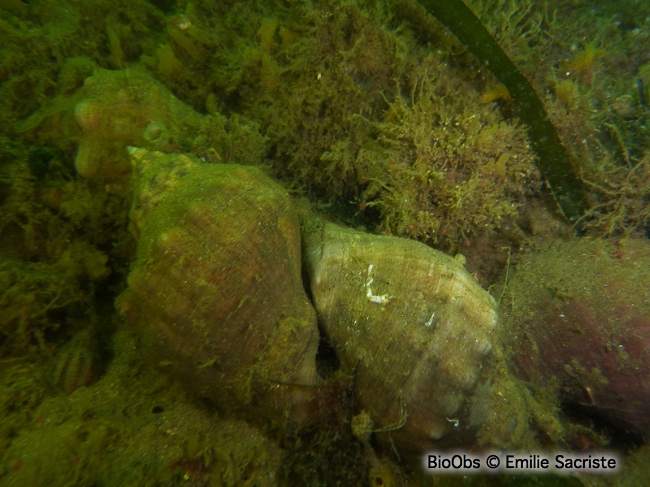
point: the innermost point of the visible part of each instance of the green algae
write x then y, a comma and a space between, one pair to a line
553, 159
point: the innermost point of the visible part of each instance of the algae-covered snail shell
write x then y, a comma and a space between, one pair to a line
216, 290
217, 295
409, 322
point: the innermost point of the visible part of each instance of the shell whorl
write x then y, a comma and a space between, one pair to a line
411, 322
216, 291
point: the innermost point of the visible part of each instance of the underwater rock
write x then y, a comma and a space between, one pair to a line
409, 322
216, 290
128, 108
581, 318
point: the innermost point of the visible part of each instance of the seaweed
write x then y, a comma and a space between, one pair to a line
447, 169
553, 161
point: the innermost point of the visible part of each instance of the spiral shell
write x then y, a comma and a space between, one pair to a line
216, 290
409, 321
121, 108
582, 324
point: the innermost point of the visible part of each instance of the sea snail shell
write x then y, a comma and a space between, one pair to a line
410, 322
127, 107
216, 290
217, 295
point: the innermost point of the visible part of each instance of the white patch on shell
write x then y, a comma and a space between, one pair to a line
375, 298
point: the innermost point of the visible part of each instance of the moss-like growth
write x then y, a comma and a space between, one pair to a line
356, 120
447, 167
55, 243
592, 71
553, 159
